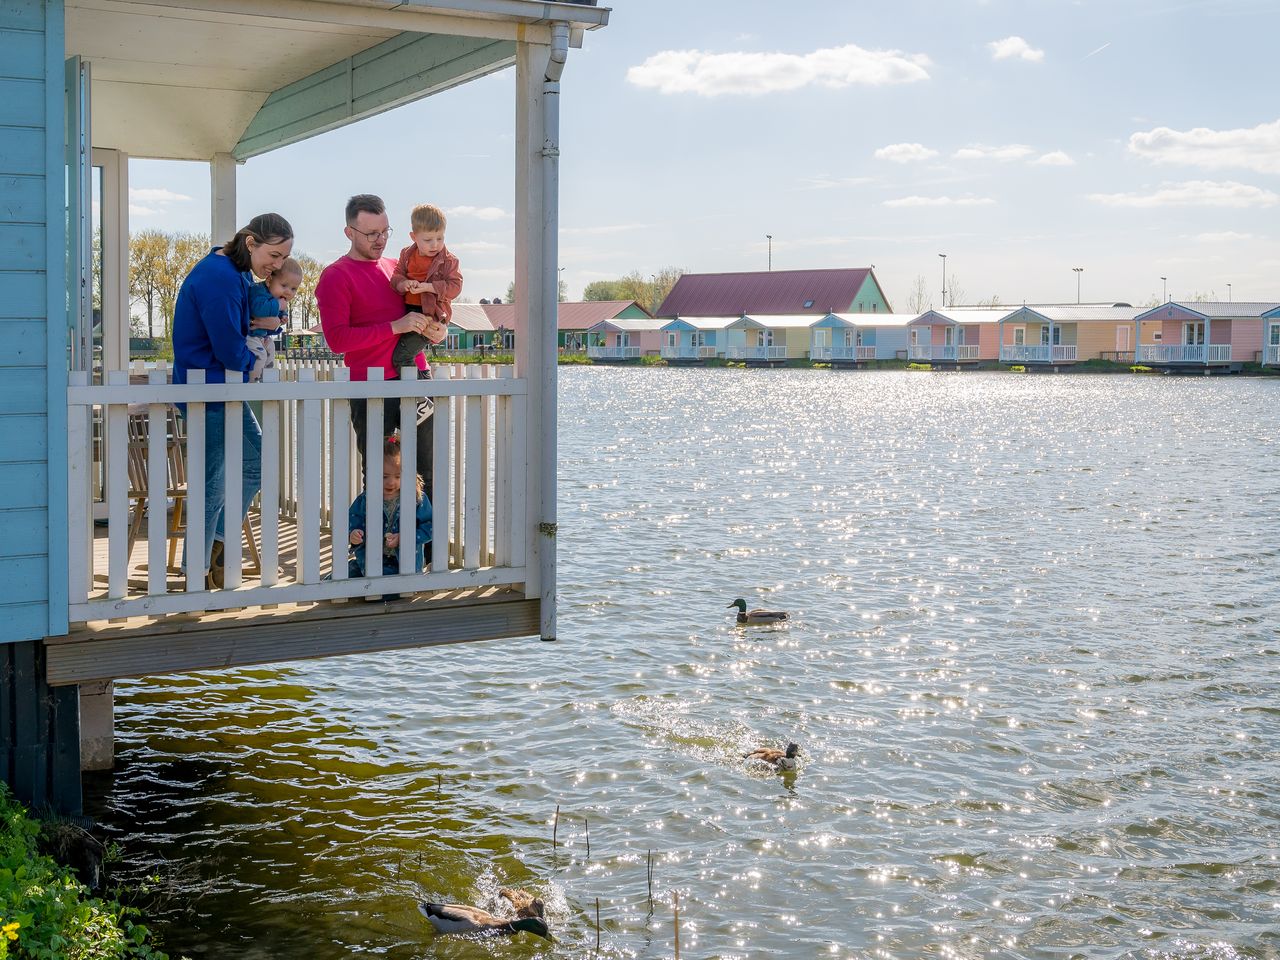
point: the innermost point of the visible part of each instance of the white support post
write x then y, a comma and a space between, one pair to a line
195, 549
538, 70
222, 195
270, 499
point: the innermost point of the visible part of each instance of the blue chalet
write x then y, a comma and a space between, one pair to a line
88, 587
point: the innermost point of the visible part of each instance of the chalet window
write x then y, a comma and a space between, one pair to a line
808, 304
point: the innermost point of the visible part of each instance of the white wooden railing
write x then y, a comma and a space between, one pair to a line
478, 492
755, 353
1184, 353
1271, 355
1038, 353
685, 352
928, 351
844, 352
613, 353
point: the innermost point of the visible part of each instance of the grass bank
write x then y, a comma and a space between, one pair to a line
46, 913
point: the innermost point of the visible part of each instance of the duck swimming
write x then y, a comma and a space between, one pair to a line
459, 918
524, 902
758, 616
778, 759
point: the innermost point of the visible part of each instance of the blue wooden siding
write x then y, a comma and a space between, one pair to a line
32, 321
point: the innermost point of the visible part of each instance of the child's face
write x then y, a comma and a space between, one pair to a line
390, 477
284, 286
430, 242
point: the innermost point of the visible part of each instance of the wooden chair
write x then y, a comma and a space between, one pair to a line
176, 488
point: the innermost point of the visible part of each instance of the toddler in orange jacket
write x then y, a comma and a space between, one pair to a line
428, 278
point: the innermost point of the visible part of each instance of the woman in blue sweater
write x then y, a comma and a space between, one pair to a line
210, 323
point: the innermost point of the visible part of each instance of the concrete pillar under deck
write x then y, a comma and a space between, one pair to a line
97, 725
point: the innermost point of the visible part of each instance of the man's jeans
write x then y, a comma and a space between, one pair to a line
215, 473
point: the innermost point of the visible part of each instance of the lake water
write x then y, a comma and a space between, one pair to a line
1032, 666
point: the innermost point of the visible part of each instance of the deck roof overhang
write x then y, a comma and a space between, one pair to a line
1172, 311
190, 79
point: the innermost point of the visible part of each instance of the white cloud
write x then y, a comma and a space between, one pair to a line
826, 183
1224, 236
714, 74
1249, 148
1055, 158
137, 210
1014, 48
939, 202
905, 152
155, 195
1193, 193
978, 151
479, 213
602, 230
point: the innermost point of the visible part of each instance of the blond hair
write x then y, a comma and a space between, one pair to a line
289, 267
426, 216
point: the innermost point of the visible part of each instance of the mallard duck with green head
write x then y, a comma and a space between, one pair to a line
778, 759
524, 903
746, 616
460, 918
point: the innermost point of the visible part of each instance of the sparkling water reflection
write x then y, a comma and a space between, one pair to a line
1032, 666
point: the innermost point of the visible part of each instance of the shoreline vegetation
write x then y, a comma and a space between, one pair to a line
47, 912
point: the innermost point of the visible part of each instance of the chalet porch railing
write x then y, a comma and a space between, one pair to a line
1038, 353
613, 353
756, 353
478, 491
1185, 353
929, 351
1271, 355
844, 352
670, 352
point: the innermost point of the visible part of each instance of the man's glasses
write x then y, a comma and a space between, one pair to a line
376, 235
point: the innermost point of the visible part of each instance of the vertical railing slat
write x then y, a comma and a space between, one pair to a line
456, 407
194, 509
486, 498
473, 474
310, 453
373, 481
440, 508
117, 450
341, 486
408, 476
232, 485
502, 476
270, 500
519, 471
79, 495
157, 489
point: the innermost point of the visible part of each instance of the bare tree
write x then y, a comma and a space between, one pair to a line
918, 300
148, 256
955, 292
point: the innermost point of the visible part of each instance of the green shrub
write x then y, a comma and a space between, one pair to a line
919, 366
654, 360
46, 913
574, 359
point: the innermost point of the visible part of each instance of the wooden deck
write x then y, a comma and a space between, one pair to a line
142, 646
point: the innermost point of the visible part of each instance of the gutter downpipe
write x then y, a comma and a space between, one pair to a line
550, 287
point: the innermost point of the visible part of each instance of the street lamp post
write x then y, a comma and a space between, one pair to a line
769, 237
1228, 293
1164, 289
944, 280
1078, 271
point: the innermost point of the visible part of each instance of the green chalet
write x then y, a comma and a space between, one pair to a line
573, 320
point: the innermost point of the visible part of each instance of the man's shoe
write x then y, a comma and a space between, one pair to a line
215, 565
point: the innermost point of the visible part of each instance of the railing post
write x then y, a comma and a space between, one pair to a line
117, 454
233, 470
340, 489
310, 453
79, 495
440, 506
409, 474
474, 474
373, 439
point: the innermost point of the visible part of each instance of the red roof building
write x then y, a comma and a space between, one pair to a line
819, 292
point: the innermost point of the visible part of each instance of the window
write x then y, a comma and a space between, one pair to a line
1193, 332
673, 339
698, 339
1019, 336
1273, 338
452, 341
808, 304
1044, 336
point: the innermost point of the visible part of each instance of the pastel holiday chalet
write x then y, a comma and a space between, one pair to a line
845, 339
694, 339
775, 292
573, 319
87, 594
1063, 334
624, 339
1196, 335
955, 336
1271, 338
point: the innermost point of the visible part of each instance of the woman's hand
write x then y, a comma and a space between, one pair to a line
435, 330
393, 540
356, 538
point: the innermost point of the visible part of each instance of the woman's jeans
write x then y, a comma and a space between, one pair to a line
215, 473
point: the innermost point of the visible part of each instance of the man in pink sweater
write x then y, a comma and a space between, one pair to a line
362, 318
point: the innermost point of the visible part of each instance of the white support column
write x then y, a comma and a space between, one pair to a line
97, 725
222, 194
537, 186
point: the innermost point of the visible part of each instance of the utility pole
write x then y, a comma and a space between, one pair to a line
1078, 271
1164, 289
769, 237
944, 280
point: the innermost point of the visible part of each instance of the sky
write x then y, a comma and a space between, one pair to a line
1137, 139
